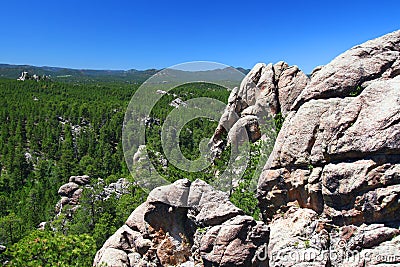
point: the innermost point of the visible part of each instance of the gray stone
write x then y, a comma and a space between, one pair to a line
297, 239
124, 239
224, 245
176, 103
142, 245
136, 219
332, 182
245, 129
291, 83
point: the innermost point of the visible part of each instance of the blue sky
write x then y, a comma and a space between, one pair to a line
156, 34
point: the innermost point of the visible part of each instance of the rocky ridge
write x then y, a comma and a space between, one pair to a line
329, 193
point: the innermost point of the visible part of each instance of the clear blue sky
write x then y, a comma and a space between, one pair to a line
156, 34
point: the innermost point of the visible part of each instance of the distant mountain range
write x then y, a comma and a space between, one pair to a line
86, 75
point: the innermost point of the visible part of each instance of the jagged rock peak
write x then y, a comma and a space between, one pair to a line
266, 91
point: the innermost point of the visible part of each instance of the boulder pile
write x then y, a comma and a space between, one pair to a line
186, 224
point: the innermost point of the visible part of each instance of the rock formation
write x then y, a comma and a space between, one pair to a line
265, 92
329, 193
177, 102
186, 224
335, 167
26, 76
71, 192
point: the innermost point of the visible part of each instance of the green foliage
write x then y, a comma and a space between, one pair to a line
244, 196
245, 200
104, 227
310, 167
10, 226
127, 203
100, 217
45, 248
202, 230
356, 91
278, 121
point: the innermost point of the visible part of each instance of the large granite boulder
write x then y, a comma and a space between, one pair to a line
68, 189
80, 179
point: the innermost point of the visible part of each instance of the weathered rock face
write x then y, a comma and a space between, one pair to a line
341, 150
335, 166
239, 241
186, 224
375, 59
67, 190
265, 91
301, 237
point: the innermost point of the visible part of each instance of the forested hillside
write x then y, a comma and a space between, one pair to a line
51, 130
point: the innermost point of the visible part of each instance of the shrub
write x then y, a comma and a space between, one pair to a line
46, 248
